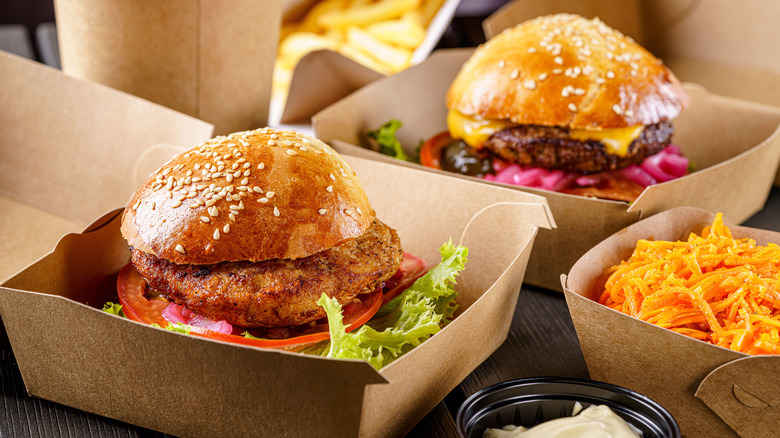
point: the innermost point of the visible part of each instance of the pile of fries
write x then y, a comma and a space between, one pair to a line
380, 34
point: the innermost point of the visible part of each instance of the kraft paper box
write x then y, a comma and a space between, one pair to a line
734, 145
210, 59
323, 77
729, 47
711, 391
189, 386
68, 152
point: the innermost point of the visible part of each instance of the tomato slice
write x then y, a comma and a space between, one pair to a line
430, 151
137, 306
411, 268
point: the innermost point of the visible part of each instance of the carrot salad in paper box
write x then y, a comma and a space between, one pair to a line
257, 259
685, 309
701, 42
572, 109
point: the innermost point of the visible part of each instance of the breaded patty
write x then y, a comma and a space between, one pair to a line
278, 292
551, 148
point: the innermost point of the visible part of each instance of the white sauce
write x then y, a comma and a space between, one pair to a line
593, 422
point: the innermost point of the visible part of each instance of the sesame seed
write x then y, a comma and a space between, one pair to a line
180, 249
322, 211
166, 171
532, 50
358, 210
232, 216
515, 74
257, 189
616, 108
237, 174
530, 84
216, 234
572, 107
235, 166
543, 76
247, 172
347, 211
271, 142
291, 152
229, 178
610, 74
197, 166
579, 91
600, 81
287, 143
329, 188
276, 212
226, 228
557, 71
558, 60
629, 113
247, 165
234, 207
205, 219
270, 194
333, 178
261, 166
262, 200
176, 203
213, 211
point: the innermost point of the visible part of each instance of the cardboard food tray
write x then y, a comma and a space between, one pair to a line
323, 77
728, 47
188, 386
67, 153
711, 391
733, 143
211, 60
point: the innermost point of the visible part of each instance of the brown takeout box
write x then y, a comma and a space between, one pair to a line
212, 60
729, 47
71, 352
711, 391
323, 77
733, 143
68, 152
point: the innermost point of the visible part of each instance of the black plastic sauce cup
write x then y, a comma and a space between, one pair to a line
528, 402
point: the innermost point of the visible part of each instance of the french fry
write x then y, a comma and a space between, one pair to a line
358, 56
309, 23
298, 44
429, 9
394, 57
364, 15
404, 32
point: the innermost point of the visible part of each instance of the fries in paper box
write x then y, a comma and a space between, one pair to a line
382, 35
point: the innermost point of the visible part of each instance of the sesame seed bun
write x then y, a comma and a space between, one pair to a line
254, 195
568, 71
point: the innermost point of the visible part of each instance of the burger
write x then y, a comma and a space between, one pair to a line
242, 237
563, 103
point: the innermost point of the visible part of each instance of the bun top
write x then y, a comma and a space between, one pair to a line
252, 195
565, 70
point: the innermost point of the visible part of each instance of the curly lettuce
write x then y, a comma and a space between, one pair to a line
384, 136
416, 315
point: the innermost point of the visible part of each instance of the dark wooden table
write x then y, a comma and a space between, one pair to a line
541, 342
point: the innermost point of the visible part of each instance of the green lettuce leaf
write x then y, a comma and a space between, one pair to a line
387, 141
114, 309
421, 312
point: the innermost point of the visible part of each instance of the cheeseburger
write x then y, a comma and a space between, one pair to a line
569, 99
240, 237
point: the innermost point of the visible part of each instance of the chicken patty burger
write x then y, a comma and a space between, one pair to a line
240, 237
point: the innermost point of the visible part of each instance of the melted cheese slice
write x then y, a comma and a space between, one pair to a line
475, 132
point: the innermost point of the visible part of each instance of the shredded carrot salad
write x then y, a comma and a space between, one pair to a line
712, 287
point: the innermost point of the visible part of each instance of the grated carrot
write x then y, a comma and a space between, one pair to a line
712, 287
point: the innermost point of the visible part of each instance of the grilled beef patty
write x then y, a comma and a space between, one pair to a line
551, 147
